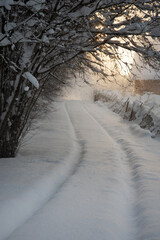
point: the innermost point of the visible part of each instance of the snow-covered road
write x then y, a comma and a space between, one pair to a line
111, 190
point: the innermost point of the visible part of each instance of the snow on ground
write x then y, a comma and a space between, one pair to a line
42, 165
106, 176
142, 110
142, 154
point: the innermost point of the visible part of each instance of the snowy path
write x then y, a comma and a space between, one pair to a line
112, 190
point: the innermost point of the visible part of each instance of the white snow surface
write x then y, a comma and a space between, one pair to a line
6, 3
146, 108
35, 4
85, 175
31, 79
9, 26
42, 165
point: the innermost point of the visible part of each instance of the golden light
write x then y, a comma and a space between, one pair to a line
125, 61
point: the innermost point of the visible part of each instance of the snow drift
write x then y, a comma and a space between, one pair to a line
142, 110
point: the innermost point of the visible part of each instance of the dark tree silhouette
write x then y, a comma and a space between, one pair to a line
39, 37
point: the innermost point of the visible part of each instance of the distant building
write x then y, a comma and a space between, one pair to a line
142, 86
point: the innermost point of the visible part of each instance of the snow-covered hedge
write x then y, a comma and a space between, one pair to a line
143, 110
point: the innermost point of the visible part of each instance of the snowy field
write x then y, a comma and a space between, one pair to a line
85, 175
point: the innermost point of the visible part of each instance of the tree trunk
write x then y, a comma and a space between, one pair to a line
8, 146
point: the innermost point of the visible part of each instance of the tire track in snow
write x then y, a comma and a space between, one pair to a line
30, 202
96, 207
127, 214
127, 188
104, 192
147, 220
77, 144
144, 219
123, 157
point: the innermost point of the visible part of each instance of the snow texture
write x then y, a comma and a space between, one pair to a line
9, 26
4, 40
41, 167
106, 178
26, 88
142, 110
6, 3
31, 79
35, 4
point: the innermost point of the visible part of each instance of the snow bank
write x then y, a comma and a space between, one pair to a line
33, 177
142, 110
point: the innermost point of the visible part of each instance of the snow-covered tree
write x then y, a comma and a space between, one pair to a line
38, 37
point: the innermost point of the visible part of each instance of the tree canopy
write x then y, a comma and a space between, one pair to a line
39, 39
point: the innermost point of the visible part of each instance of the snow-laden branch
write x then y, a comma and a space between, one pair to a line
38, 37
31, 79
